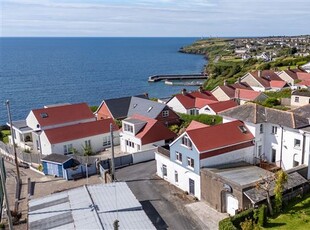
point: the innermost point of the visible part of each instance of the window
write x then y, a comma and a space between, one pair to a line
130, 144
297, 143
107, 141
164, 170
193, 112
186, 141
297, 99
87, 144
68, 149
139, 147
190, 162
273, 155
259, 151
165, 113
128, 128
261, 128
176, 176
274, 130
178, 156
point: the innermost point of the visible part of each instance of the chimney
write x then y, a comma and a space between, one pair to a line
239, 80
225, 82
146, 95
200, 89
259, 73
183, 91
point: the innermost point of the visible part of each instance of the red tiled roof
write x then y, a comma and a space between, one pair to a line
306, 83
63, 114
277, 84
303, 76
222, 105
265, 77
196, 99
78, 131
153, 131
219, 136
245, 94
196, 125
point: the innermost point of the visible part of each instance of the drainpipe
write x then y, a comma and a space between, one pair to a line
303, 150
281, 149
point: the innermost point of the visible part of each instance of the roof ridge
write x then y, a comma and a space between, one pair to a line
255, 113
293, 120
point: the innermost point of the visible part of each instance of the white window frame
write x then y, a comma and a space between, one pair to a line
178, 156
274, 129
296, 99
165, 170
106, 141
128, 128
187, 142
190, 162
261, 128
68, 149
295, 143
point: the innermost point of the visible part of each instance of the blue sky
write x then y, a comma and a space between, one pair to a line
154, 18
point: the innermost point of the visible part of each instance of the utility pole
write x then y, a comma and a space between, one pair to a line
13, 139
5, 194
112, 148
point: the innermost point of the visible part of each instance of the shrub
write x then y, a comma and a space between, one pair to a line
226, 224
242, 216
262, 215
40, 168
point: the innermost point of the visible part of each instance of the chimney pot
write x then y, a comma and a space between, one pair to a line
183, 91
259, 73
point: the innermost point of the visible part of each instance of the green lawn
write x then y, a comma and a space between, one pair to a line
6, 133
296, 216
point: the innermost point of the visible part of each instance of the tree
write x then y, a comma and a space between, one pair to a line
87, 150
266, 186
281, 179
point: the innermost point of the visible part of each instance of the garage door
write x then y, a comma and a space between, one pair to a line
231, 204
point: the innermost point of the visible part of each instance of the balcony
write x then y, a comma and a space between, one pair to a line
164, 150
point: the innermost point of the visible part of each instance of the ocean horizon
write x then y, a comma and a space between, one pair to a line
38, 71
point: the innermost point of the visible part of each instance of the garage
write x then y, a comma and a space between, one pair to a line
55, 164
231, 204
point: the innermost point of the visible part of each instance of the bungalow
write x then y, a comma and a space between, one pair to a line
227, 91
141, 133
25, 132
244, 95
203, 146
260, 80
282, 138
192, 103
121, 108
289, 75
300, 98
216, 107
89, 136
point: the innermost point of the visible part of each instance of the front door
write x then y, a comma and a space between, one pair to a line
191, 186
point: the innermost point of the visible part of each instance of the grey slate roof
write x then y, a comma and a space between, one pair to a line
89, 207
21, 125
302, 93
146, 108
303, 111
254, 113
258, 195
119, 106
56, 158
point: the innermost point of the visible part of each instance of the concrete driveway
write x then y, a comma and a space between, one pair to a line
162, 202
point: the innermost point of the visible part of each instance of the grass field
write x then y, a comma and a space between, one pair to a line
296, 216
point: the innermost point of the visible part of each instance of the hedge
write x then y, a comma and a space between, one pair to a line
233, 223
262, 215
226, 224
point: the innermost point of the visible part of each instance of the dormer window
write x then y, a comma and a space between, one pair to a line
128, 128
186, 141
243, 129
44, 115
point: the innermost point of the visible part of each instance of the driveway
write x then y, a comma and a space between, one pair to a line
163, 203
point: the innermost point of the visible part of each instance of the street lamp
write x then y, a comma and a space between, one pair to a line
13, 140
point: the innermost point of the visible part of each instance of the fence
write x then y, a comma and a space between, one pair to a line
8, 151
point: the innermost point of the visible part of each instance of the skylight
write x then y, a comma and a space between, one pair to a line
44, 115
149, 109
243, 129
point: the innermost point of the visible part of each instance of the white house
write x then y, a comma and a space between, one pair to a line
93, 136
203, 146
216, 107
281, 137
141, 133
300, 98
191, 102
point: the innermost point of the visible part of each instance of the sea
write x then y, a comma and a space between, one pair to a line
41, 71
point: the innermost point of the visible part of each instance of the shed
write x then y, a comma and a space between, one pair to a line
55, 164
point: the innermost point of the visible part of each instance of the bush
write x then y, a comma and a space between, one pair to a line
226, 224
262, 215
203, 118
242, 216
40, 168
271, 101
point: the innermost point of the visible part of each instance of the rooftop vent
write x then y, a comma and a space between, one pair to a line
149, 109
135, 105
243, 129
44, 115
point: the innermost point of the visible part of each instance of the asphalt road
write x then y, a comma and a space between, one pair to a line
162, 202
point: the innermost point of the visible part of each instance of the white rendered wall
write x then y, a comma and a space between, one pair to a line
176, 106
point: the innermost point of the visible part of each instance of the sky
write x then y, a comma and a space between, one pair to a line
153, 18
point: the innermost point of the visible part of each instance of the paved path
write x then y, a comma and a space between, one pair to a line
162, 202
